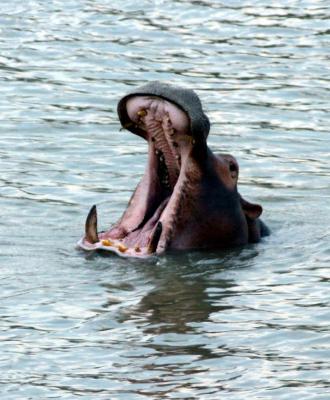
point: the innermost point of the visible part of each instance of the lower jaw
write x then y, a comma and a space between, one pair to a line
115, 246
141, 242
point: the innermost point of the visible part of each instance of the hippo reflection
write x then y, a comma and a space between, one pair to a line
187, 198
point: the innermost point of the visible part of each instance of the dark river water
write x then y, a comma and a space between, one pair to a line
247, 323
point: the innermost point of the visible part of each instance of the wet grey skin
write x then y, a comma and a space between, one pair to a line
188, 197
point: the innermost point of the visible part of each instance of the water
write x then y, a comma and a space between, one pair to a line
250, 323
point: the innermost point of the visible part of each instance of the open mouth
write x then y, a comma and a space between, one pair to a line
187, 197
148, 224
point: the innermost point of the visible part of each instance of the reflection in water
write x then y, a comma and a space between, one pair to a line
180, 293
175, 303
172, 307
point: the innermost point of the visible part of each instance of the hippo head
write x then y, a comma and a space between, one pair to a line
187, 198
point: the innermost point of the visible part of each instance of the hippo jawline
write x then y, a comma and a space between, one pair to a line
150, 218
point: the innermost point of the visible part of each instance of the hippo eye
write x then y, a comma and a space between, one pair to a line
233, 169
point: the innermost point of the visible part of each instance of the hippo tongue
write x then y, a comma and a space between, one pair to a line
143, 234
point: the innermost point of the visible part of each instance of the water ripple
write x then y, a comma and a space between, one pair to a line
244, 323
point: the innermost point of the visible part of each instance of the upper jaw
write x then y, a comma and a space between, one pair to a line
183, 99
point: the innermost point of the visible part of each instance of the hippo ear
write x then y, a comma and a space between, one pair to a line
252, 211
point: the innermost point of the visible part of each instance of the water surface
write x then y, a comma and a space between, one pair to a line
248, 323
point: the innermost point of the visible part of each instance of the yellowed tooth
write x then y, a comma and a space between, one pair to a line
142, 113
107, 242
122, 248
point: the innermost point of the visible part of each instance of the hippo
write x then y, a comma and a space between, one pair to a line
187, 198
